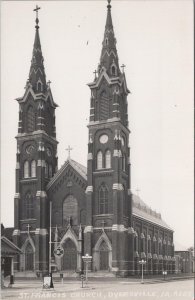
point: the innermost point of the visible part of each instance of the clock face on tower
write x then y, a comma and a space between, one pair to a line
103, 138
30, 149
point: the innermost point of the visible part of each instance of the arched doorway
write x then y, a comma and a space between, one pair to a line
29, 258
70, 256
104, 256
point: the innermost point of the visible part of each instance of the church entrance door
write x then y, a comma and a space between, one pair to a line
29, 258
104, 257
70, 256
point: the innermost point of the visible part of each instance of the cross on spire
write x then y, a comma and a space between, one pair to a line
37, 19
123, 66
69, 149
36, 9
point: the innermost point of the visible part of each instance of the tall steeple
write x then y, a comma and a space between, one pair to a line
37, 76
108, 176
36, 158
109, 56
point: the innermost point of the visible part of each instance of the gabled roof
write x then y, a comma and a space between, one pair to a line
142, 210
7, 232
80, 169
8, 248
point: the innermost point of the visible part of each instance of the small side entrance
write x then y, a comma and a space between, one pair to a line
29, 258
104, 256
70, 256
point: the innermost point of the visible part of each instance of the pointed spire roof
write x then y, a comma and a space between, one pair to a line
37, 77
109, 56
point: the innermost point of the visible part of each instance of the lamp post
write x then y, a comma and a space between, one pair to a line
50, 273
142, 263
87, 259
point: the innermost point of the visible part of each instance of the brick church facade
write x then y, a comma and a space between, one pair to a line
93, 208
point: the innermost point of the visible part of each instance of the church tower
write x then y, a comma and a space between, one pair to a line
36, 163
108, 192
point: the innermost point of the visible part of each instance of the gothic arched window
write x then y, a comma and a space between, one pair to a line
39, 86
104, 108
142, 242
154, 245
26, 169
99, 160
30, 119
108, 159
29, 206
149, 244
103, 199
46, 170
33, 168
160, 246
113, 70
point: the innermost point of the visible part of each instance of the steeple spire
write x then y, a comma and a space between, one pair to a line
37, 77
109, 56
109, 18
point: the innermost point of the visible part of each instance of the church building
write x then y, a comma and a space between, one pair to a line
92, 208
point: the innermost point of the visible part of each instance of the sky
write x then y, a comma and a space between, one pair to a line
155, 42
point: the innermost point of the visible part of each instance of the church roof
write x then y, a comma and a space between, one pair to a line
80, 169
7, 232
142, 210
139, 207
9, 248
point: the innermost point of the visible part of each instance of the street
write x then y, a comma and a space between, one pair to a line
120, 289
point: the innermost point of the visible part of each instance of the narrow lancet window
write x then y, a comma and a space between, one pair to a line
33, 168
108, 159
99, 160
26, 169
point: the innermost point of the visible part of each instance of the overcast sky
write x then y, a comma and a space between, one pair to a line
155, 42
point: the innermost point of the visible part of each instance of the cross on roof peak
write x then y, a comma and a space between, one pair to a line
69, 149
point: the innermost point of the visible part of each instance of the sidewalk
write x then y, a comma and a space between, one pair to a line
106, 277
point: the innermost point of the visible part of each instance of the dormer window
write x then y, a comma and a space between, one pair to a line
113, 70
39, 86
106, 41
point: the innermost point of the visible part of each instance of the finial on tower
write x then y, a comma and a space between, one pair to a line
109, 6
37, 19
